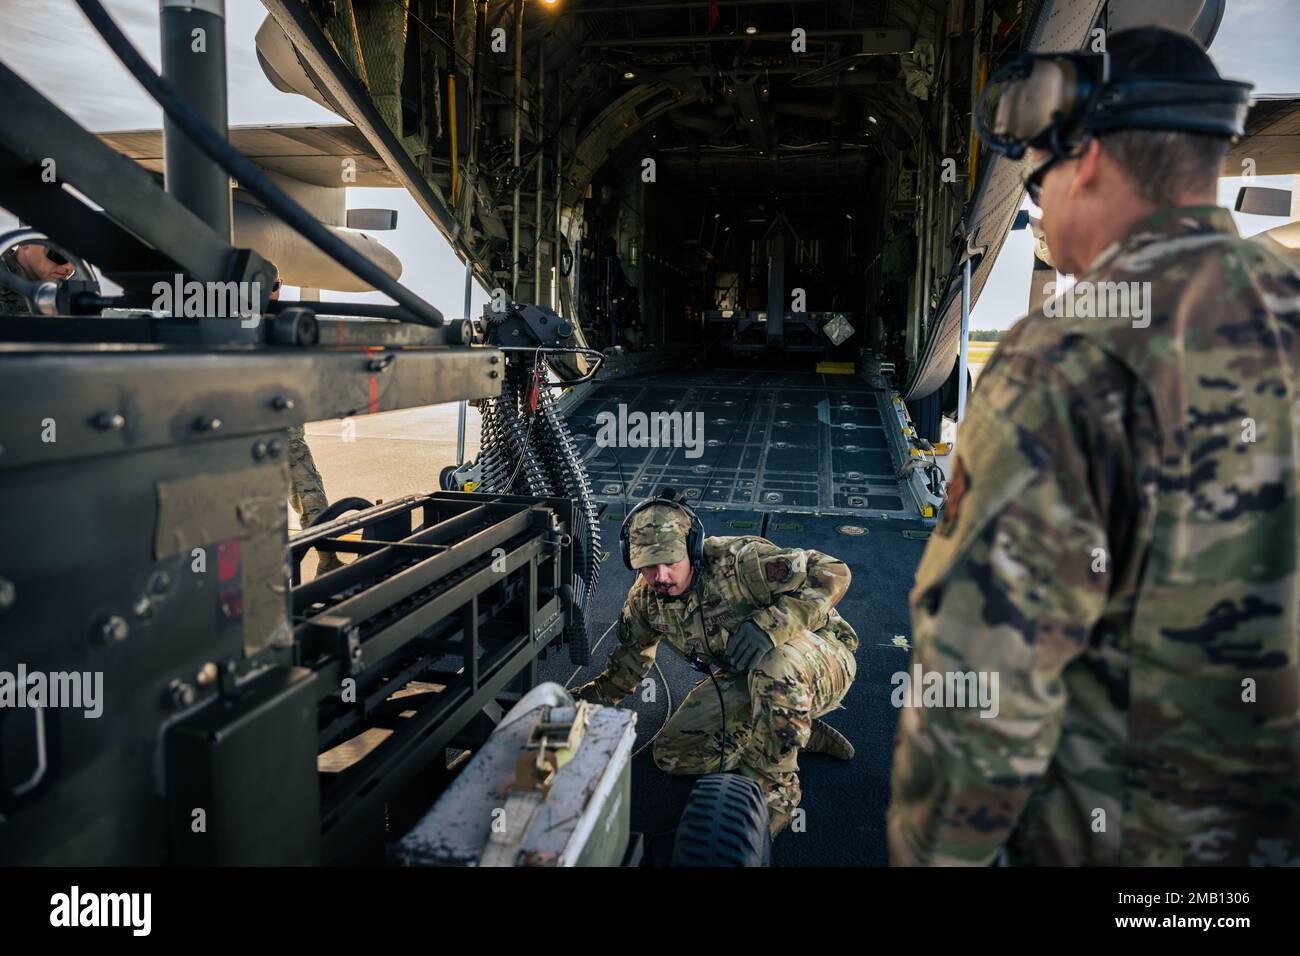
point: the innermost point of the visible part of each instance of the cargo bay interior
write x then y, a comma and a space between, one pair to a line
757, 205
747, 225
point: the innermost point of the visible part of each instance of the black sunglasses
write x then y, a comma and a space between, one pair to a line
57, 258
1034, 181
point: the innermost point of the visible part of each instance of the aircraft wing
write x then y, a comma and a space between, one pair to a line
313, 162
1272, 140
312, 153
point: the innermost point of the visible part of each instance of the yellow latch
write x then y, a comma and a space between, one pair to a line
555, 744
927, 511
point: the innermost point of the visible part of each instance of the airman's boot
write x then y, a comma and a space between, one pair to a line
826, 739
329, 561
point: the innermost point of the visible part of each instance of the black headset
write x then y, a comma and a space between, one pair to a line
694, 537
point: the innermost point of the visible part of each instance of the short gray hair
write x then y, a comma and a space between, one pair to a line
1165, 165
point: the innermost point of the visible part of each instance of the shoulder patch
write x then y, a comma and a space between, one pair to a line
777, 571
957, 487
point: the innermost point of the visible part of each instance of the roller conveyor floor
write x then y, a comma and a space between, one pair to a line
785, 439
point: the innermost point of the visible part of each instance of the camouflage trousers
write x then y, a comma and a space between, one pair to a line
306, 488
307, 491
768, 711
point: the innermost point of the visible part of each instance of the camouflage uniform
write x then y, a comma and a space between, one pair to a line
307, 490
11, 302
1119, 546
788, 592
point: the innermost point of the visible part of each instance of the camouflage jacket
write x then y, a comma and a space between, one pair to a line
1119, 547
783, 590
11, 302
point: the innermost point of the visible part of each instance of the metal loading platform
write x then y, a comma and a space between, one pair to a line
456, 594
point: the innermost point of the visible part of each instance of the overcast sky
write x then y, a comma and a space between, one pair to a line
50, 44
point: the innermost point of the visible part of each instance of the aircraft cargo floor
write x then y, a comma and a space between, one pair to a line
764, 440
844, 802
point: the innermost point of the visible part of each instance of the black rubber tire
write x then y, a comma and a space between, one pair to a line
725, 823
444, 479
927, 415
340, 508
950, 394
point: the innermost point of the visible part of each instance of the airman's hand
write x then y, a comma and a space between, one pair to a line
748, 645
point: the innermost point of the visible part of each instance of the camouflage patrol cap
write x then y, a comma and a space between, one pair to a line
658, 536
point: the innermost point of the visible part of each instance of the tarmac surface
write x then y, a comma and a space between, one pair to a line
386, 456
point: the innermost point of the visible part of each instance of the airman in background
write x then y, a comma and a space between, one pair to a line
306, 487
35, 262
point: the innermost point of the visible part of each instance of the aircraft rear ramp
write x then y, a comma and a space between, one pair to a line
767, 440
